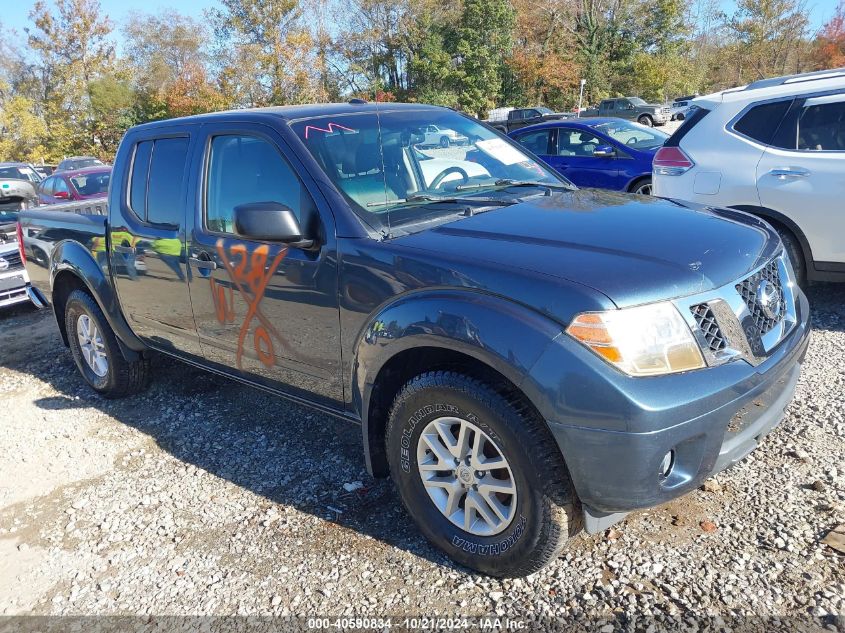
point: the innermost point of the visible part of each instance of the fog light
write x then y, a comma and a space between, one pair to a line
667, 463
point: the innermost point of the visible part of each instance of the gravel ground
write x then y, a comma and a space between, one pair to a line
205, 497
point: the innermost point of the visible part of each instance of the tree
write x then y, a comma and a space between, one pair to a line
72, 50
267, 55
23, 134
483, 41
829, 51
768, 38
170, 66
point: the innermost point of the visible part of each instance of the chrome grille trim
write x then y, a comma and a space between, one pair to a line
728, 327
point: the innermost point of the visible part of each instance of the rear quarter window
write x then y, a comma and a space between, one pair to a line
761, 122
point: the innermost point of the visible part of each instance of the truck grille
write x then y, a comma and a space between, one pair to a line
748, 291
14, 261
706, 321
732, 321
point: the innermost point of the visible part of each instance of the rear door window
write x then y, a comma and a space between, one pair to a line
821, 126
165, 191
138, 179
537, 142
157, 182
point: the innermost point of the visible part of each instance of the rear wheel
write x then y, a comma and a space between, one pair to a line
642, 187
96, 351
480, 473
646, 120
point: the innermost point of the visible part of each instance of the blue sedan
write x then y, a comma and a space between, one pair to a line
603, 153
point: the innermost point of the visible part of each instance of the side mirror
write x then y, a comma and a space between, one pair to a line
62, 195
269, 221
604, 151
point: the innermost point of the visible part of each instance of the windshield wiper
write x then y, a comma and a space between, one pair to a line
424, 197
507, 182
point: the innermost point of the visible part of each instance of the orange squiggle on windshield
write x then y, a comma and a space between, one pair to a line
250, 274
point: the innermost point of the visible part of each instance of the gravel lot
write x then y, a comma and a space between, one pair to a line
205, 497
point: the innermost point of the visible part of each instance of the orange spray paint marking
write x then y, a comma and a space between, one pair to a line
250, 274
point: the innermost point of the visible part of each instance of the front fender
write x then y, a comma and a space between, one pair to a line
505, 336
72, 257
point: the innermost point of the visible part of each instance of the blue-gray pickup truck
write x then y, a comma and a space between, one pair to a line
526, 359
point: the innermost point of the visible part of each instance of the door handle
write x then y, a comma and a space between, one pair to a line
127, 250
789, 172
203, 264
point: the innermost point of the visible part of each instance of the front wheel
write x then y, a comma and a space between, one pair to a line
646, 120
796, 255
445, 142
96, 351
480, 473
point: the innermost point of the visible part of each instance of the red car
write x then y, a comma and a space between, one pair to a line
78, 184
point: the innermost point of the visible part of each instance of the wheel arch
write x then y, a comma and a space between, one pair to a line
775, 217
73, 267
485, 337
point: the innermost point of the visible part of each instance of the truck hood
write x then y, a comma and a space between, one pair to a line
632, 249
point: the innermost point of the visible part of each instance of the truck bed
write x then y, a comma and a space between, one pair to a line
45, 227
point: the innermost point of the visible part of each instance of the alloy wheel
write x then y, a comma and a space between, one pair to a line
466, 476
91, 345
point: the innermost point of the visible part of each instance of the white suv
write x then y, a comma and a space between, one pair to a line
774, 148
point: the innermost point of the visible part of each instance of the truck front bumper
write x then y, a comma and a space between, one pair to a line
672, 432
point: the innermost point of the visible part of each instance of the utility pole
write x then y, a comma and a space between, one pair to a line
581, 97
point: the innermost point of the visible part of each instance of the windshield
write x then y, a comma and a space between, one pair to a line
633, 134
394, 171
637, 101
91, 184
544, 110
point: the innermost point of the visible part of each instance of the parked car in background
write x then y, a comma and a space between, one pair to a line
604, 153
443, 137
44, 170
14, 280
774, 148
523, 357
18, 183
680, 107
522, 117
19, 171
78, 184
78, 162
632, 108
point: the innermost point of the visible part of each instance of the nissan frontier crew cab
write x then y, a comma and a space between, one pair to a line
525, 358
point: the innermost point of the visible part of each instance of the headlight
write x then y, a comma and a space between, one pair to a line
643, 341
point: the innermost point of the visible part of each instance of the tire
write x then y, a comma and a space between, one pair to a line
681, 117
444, 142
796, 254
646, 120
539, 517
120, 377
642, 187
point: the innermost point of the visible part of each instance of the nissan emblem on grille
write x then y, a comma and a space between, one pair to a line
764, 298
768, 296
